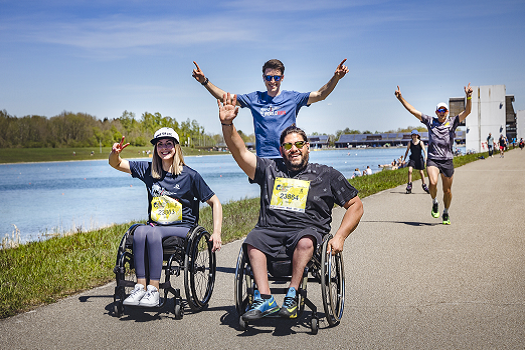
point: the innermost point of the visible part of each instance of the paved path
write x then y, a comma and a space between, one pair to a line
411, 282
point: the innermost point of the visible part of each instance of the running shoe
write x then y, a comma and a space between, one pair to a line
260, 307
446, 219
289, 309
435, 210
135, 296
425, 188
409, 187
151, 298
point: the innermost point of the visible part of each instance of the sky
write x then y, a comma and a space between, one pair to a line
104, 57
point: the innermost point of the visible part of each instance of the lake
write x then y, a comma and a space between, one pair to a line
43, 199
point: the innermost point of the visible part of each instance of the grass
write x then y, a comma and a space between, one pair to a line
19, 155
42, 272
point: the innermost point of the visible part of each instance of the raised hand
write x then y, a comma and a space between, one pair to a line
468, 90
227, 109
398, 92
341, 70
118, 146
197, 73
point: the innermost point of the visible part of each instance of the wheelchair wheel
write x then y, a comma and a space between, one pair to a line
125, 277
199, 269
241, 287
332, 285
314, 325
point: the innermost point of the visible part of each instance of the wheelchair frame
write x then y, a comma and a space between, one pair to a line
325, 268
194, 257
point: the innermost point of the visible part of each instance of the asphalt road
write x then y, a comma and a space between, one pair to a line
411, 283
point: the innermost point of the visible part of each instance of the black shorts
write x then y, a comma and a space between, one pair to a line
418, 164
445, 166
280, 243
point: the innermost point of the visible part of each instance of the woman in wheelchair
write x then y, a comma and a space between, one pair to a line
172, 189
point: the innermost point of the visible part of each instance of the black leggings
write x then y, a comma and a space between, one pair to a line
151, 237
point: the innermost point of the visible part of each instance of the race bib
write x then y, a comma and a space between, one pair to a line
165, 210
290, 194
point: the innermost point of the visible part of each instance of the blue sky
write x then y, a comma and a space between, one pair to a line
104, 57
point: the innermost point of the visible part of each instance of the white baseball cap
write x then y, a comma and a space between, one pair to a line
441, 104
164, 133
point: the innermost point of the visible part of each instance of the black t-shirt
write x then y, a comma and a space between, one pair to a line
185, 188
307, 202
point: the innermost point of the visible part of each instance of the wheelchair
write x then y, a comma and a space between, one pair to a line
191, 256
324, 268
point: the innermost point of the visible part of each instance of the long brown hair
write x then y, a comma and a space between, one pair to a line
176, 166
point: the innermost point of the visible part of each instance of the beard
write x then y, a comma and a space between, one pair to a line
299, 164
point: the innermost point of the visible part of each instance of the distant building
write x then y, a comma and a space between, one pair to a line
520, 124
319, 141
386, 139
492, 112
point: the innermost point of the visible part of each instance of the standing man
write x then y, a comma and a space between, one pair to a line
490, 145
441, 133
297, 198
274, 109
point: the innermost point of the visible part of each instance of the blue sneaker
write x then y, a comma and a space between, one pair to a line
289, 309
260, 307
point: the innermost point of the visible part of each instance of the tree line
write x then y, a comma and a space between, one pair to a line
83, 130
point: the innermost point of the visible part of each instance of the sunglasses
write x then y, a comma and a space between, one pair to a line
442, 110
274, 77
288, 146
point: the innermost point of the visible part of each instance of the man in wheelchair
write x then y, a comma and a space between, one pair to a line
297, 198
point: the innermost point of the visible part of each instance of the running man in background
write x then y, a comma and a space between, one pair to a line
441, 133
417, 160
502, 145
274, 109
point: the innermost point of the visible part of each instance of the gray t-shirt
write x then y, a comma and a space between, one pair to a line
440, 136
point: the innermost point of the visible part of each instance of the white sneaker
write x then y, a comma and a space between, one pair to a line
151, 298
135, 296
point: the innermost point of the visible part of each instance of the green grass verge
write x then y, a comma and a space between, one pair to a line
42, 272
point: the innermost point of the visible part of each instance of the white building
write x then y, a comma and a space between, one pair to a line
492, 112
520, 124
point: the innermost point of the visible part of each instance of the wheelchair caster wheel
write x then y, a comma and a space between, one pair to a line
118, 308
314, 325
178, 311
243, 325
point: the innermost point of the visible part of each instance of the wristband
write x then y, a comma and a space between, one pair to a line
205, 82
469, 98
227, 124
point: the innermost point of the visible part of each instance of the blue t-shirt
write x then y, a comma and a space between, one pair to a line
185, 188
271, 115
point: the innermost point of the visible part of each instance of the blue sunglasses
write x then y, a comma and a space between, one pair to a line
275, 77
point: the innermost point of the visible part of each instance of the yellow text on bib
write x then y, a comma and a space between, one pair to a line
165, 210
290, 194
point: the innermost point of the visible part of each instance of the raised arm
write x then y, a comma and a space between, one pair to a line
322, 93
201, 78
354, 212
407, 105
246, 160
114, 157
468, 92
216, 213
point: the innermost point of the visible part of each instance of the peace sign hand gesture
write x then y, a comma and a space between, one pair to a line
118, 146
